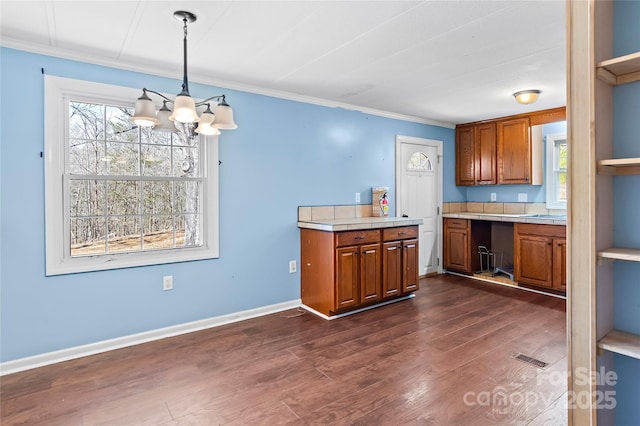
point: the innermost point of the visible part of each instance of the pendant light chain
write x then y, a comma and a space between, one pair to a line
185, 81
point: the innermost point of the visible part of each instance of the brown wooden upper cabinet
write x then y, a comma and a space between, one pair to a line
514, 151
503, 151
476, 154
465, 156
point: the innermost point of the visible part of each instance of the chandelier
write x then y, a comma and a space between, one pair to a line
184, 107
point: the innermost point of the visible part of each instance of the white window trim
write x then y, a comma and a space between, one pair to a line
551, 202
58, 92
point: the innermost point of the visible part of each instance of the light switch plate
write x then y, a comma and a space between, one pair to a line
357, 197
522, 197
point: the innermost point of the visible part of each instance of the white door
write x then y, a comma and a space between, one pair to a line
419, 194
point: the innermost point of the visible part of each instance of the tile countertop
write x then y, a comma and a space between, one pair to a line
356, 223
523, 218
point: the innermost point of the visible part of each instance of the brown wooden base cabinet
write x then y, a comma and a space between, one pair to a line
346, 270
540, 255
461, 240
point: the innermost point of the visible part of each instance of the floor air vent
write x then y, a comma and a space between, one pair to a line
532, 361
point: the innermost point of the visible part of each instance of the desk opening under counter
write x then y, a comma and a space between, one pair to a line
511, 252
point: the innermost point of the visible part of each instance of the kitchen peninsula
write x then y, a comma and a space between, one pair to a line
350, 263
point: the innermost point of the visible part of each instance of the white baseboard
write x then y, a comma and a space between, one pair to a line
48, 358
355, 311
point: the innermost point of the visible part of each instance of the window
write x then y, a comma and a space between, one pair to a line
556, 171
419, 162
117, 195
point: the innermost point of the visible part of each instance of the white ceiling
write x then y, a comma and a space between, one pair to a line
434, 61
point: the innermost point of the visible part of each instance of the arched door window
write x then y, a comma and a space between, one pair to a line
419, 162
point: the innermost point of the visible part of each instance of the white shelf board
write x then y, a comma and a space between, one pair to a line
622, 343
619, 166
632, 255
621, 70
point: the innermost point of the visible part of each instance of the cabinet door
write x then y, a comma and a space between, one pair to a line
456, 245
533, 261
346, 277
409, 265
370, 273
514, 151
465, 158
392, 269
485, 152
560, 264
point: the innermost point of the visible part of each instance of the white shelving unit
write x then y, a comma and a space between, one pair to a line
593, 171
616, 71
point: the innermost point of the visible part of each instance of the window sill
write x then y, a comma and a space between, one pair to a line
128, 260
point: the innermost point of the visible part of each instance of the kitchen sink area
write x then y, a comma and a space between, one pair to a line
548, 216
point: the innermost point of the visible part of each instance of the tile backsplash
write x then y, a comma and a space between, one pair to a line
311, 213
500, 208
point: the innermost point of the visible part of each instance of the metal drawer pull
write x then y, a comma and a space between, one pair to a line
369, 251
402, 233
360, 237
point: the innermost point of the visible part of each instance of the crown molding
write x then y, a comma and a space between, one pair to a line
17, 44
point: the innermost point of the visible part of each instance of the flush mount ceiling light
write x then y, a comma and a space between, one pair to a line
184, 107
526, 97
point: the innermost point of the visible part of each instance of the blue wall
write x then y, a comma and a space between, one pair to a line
626, 212
284, 154
509, 193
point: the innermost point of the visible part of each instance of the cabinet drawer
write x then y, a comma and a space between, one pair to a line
559, 231
457, 223
400, 233
364, 236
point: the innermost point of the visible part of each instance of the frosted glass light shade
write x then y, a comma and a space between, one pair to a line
224, 118
144, 114
206, 129
526, 97
204, 125
164, 125
184, 110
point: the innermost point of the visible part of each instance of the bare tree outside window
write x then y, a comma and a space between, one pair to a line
130, 189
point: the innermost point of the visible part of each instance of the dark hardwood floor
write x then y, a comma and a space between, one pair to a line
443, 357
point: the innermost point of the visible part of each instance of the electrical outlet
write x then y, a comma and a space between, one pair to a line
293, 266
357, 197
493, 196
167, 283
522, 197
